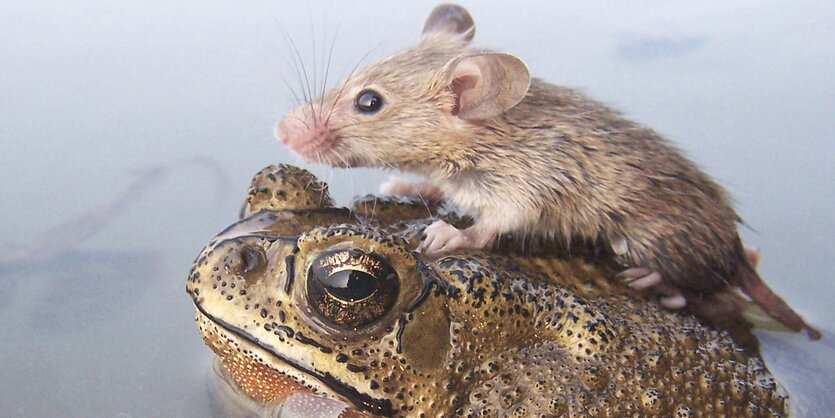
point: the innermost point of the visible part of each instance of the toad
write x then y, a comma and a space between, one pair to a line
301, 298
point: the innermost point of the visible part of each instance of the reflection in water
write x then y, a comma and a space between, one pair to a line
52, 254
68, 235
805, 368
81, 289
67, 277
65, 303
647, 48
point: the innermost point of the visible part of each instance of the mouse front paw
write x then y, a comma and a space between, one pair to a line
442, 237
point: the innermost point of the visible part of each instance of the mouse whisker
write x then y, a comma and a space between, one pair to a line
336, 129
292, 91
351, 174
327, 71
312, 87
345, 84
387, 165
303, 120
301, 71
374, 208
288, 42
425, 203
312, 182
284, 60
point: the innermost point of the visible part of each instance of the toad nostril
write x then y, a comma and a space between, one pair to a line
252, 259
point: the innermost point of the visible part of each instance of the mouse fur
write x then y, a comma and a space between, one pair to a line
532, 159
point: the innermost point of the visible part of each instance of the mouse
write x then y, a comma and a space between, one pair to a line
528, 158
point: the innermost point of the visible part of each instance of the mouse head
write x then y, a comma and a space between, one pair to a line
414, 110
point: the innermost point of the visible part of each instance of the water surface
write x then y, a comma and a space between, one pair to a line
94, 92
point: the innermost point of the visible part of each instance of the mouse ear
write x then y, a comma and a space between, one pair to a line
487, 84
449, 19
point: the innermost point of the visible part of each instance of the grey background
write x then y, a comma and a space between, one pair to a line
93, 92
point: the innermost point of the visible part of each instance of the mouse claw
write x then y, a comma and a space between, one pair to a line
645, 282
674, 302
634, 273
753, 255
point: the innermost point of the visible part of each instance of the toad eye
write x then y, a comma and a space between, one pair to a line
351, 288
369, 101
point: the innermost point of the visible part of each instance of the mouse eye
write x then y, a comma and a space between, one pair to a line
351, 288
369, 101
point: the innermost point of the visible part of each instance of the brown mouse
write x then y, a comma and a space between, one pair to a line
532, 159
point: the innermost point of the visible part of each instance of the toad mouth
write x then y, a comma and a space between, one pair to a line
360, 400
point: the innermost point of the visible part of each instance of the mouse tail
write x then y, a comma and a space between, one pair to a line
752, 285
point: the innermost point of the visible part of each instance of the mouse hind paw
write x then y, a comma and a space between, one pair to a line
644, 279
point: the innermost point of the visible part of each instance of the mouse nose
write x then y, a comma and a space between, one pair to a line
281, 131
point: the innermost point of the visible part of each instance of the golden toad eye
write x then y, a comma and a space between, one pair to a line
351, 288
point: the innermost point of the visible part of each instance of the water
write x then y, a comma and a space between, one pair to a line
94, 92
